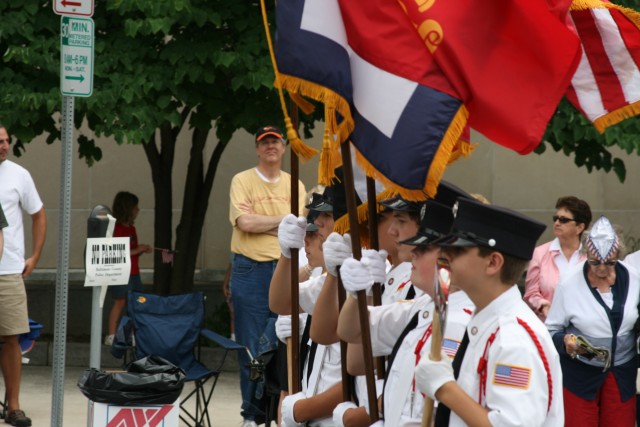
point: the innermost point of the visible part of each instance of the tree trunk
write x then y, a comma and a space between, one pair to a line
198, 186
161, 162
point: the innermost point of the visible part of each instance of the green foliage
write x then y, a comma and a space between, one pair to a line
160, 67
570, 132
153, 60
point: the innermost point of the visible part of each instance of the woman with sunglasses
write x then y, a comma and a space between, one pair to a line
596, 306
554, 259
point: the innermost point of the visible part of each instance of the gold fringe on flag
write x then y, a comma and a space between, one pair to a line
438, 164
616, 116
462, 149
631, 14
341, 225
303, 151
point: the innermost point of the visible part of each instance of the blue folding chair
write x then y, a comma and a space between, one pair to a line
171, 327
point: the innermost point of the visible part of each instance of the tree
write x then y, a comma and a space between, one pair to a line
160, 67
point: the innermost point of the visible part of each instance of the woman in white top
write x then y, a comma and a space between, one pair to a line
598, 303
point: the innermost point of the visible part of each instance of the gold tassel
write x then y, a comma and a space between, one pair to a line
303, 151
305, 106
326, 169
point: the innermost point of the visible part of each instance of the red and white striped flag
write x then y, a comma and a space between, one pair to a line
606, 84
167, 256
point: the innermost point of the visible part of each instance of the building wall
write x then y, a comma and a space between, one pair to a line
530, 184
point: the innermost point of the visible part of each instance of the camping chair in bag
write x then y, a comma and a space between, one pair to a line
171, 327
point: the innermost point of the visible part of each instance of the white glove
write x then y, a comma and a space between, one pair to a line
336, 249
376, 262
283, 326
288, 420
355, 276
431, 375
338, 412
379, 423
291, 233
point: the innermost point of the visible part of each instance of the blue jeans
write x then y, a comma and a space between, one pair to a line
249, 287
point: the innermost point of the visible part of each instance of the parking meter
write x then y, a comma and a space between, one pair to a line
98, 225
98, 222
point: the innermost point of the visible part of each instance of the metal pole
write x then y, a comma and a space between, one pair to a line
96, 328
62, 274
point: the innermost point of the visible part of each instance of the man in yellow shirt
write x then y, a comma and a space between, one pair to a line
260, 198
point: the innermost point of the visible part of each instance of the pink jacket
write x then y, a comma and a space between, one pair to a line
542, 277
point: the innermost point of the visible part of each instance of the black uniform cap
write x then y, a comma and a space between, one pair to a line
321, 202
397, 203
436, 223
447, 193
501, 229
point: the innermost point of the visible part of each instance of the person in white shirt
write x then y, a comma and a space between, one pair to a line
402, 330
507, 370
17, 194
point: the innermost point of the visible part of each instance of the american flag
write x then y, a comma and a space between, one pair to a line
512, 376
606, 84
166, 254
450, 347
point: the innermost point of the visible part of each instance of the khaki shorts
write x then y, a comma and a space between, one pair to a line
14, 319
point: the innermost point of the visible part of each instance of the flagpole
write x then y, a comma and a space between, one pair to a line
434, 354
372, 209
293, 343
362, 296
346, 378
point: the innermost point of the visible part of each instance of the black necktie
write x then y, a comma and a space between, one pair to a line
443, 412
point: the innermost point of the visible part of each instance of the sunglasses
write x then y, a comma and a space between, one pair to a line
562, 219
597, 262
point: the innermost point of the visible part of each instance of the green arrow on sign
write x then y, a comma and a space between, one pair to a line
80, 78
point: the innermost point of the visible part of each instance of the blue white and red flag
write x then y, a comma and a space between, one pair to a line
364, 61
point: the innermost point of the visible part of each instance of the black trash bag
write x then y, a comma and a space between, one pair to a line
150, 380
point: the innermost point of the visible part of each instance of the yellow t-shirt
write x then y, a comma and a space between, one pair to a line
265, 198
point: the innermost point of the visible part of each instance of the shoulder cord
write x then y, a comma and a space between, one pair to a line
482, 364
418, 350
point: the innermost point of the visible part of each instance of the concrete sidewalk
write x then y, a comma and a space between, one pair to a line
36, 398
36, 386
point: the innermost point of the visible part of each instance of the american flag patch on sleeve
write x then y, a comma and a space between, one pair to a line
512, 376
450, 347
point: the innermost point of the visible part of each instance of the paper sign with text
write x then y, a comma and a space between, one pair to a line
108, 261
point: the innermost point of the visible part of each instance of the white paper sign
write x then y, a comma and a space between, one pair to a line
108, 261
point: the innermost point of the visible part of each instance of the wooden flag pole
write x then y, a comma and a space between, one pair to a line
434, 354
362, 296
372, 210
293, 343
440, 300
346, 378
